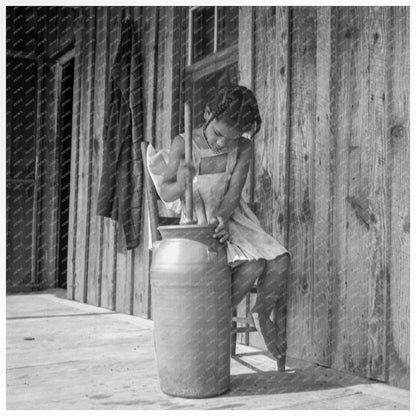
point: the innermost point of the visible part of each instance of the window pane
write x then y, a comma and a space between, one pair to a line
227, 27
203, 33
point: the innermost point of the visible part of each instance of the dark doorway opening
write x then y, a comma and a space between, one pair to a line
65, 123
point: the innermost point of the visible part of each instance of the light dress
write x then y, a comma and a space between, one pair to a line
248, 240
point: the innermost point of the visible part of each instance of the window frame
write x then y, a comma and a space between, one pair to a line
213, 62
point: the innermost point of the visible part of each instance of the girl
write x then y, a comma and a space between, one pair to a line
221, 156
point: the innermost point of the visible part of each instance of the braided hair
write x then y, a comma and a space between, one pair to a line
237, 105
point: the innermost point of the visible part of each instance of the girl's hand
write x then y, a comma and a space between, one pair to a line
185, 170
221, 231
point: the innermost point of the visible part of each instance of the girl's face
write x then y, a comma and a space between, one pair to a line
221, 136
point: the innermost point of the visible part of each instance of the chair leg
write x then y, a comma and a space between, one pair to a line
233, 334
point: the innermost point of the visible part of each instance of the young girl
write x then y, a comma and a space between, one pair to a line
221, 156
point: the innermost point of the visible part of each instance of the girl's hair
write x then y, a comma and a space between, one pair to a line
237, 105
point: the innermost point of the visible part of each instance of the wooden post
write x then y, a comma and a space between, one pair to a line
189, 206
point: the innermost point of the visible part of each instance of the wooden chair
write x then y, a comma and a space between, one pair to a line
242, 325
152, 197
238, 324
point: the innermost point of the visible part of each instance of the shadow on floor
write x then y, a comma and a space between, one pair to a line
294, 380
58, 292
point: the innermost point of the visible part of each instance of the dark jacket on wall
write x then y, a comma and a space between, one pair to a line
121, 186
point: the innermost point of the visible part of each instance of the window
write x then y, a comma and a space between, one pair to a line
211, 29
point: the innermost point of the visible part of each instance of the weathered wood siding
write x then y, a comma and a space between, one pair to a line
102, 272
349, 238
331, 169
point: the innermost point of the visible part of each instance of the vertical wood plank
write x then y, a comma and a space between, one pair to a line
165, 109
271, 143
379, 196
140, 257
161, 33
41, 16
336, 218
108, 278
246, 73
141, 264
260, 188
279, 147
177, 70
164, 94
122, 284
398, 334
246, 49
302, 192
84, 158
323, 201
75, 148
150, 51
100, 83
51, 202
351, 220
356, 37
123, 274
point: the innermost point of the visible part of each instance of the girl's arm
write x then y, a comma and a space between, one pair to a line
173, 185
237, 181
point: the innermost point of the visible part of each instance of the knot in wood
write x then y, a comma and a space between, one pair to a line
397, 131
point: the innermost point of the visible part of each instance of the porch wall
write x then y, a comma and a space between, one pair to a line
331, 170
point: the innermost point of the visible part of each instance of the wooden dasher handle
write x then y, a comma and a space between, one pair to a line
189, 202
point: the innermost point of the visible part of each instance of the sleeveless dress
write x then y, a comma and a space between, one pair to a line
248, 240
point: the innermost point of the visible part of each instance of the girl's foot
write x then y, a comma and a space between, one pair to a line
267, 329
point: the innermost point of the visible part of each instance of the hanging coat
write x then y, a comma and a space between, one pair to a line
121, 185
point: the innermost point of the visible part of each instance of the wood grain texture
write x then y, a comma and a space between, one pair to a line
83, 171
161, 87
347, 193
140, 290
246, 78
141, 276
50, 213
150, 53
302, 191
398, 334
323, 203
109, 234
271, 143
121, 284
75, 165
165, 106
352, 185
103, 53
96, 154
86, 149
178, 44
379, 208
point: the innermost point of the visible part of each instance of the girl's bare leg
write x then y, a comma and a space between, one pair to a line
243, 278
272, 291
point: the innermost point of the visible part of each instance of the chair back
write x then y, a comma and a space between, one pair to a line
152, 197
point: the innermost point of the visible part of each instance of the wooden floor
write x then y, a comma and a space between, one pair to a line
66, 355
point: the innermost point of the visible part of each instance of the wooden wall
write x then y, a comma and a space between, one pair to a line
348, 190
331, 170
100, 269
331, 177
